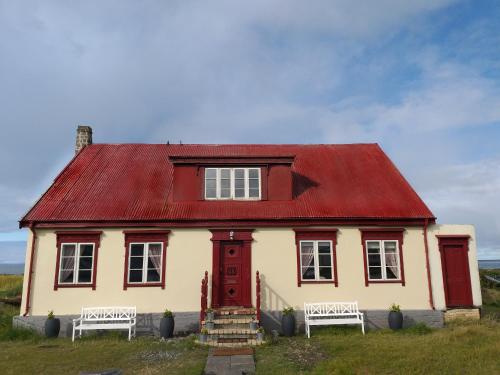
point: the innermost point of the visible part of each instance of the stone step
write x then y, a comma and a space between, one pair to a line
238, 316
235, 311
231, 344
234, 335
232, 331
234, 320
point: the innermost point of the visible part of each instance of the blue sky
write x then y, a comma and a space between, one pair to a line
420, 78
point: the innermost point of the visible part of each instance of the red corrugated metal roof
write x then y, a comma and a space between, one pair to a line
132, 182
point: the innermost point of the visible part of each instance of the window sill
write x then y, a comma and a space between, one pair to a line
143, 285
59, 286
318, 282
385, 282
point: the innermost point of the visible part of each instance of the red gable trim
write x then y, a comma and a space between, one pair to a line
231, 223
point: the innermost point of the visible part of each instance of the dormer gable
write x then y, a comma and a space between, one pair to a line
232, 178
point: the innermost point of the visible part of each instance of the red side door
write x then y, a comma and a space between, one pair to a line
456, 275
233, 291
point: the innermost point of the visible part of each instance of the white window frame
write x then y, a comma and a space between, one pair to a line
76, 265
145, 263
316, 260
232, 183
381, 244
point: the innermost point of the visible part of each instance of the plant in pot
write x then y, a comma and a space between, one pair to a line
203, 335
52, 325
253, 324
209, 314
260, 334
288, 321
167, 324
395, 317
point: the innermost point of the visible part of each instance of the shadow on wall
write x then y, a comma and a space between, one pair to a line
301, 184
272, 305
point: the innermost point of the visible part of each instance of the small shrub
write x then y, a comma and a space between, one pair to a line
395, 308
288, 311
51, 315
167, 313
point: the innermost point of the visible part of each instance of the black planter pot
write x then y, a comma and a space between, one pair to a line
167, 327
395, 320
288, 325
52, 327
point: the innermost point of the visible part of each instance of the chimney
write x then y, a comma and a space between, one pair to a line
83, 137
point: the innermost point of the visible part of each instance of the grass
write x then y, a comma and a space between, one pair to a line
11, 285
463, 347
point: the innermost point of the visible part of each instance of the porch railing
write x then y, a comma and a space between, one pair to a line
204, 297
257, 297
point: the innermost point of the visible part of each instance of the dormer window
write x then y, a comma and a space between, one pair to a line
233, 183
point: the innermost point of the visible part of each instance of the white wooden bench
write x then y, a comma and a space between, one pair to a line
93, 318
332, 313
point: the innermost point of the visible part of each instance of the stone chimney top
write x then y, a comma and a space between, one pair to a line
83, 137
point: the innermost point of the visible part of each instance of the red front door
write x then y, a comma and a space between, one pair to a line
234, 289
456, 276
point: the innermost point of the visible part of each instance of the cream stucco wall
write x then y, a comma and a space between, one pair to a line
189, 254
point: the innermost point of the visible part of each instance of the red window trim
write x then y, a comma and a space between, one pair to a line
78, 237
378, 234
317, 234
145, 236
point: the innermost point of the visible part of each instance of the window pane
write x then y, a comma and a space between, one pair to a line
374, 260
137, 249
210, 184
253, 173
225, 173
306, 247
239, 193
325, 259
392, 267
239, 173
68, 250
153, 275
86, 250
390, 246
373, 247
135, 276
253, 184
308, 273
253, 193
85, 263
84, 276
391, 273
66, 276
155, 249
210, 173
225, 184
136, 262
307, 260
239, 184
325, 273
375, 272
324, 247
211, 193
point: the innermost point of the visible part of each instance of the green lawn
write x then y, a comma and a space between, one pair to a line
460, 348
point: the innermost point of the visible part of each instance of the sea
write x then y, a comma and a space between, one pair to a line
18, 268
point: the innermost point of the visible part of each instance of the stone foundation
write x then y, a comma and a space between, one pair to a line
374, 319
457, 314
147, 324
187, 322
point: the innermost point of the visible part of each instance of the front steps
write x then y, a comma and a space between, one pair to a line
232, 328
461, 314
